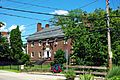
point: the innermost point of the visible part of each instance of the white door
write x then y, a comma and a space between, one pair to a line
47, 53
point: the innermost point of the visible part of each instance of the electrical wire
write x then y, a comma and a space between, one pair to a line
27, 11
22, 17
33, 5
88, 4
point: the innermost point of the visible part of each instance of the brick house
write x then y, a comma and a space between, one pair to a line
44, 43
5, 35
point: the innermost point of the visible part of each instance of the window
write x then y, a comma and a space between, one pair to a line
55, 41
32, 54
47, 42
32, 44
40, 43
65, 42
39, 54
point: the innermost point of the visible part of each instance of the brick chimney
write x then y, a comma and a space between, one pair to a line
39, 27
47, 26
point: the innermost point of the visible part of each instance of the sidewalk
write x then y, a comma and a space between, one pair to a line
60, 74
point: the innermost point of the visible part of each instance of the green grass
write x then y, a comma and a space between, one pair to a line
14, 67
17, 71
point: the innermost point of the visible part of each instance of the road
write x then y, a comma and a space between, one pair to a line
6, 75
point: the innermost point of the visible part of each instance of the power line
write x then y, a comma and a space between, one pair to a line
27, 11
32, 4
22, 17
88, 4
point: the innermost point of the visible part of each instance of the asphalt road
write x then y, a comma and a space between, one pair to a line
6, 75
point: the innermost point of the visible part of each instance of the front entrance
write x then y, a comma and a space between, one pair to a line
47, 53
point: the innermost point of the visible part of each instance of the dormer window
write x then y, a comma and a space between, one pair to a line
65, 40
32, 44
40, 43
47, 42
55, 41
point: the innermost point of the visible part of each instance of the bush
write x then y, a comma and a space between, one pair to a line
114, 72
86, 77
70, 74
115, 78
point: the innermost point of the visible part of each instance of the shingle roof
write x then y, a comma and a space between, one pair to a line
47, 33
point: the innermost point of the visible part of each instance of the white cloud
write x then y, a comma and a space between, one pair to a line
21, 27
60, 12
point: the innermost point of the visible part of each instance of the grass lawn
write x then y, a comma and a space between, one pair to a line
16, 68
17, 71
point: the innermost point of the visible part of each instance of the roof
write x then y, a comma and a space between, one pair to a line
47, 33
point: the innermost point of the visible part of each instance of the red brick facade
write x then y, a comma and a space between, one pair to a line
46, 48
38, 50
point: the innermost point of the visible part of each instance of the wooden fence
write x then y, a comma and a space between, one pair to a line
95, 70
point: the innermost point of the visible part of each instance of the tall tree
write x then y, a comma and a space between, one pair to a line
16, 45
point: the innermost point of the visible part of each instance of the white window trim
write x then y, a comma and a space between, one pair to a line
32, 54
65, 42
39, 54
40, 44
32, 44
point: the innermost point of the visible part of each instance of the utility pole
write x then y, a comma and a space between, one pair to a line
108, 35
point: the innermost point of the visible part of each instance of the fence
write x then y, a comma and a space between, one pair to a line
101, 71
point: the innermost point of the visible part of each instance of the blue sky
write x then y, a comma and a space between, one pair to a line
28, 26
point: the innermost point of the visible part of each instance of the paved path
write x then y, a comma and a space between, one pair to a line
6, 75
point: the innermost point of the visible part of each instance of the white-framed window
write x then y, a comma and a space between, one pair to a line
32, 44
39, 54
55, 41
47, 42
65, 42
54, 52
40, 43
32, 54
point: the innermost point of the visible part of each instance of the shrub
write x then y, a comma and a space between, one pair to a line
113, 73
86, 77
70, 74
115, 78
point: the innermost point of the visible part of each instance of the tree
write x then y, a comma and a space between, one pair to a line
16, 46
4, 51
59, 57
89, 34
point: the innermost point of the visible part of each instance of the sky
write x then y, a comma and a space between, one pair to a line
60, 7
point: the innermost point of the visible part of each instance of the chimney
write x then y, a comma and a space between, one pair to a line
47, 26
39, 27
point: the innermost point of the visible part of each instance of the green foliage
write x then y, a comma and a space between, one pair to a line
59, 57
90, 42
114, 73
115, 78
4, 50
70, 74
16, 47
86, 77
25, 59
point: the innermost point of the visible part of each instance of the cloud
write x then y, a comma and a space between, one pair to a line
60, 12
21, 27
